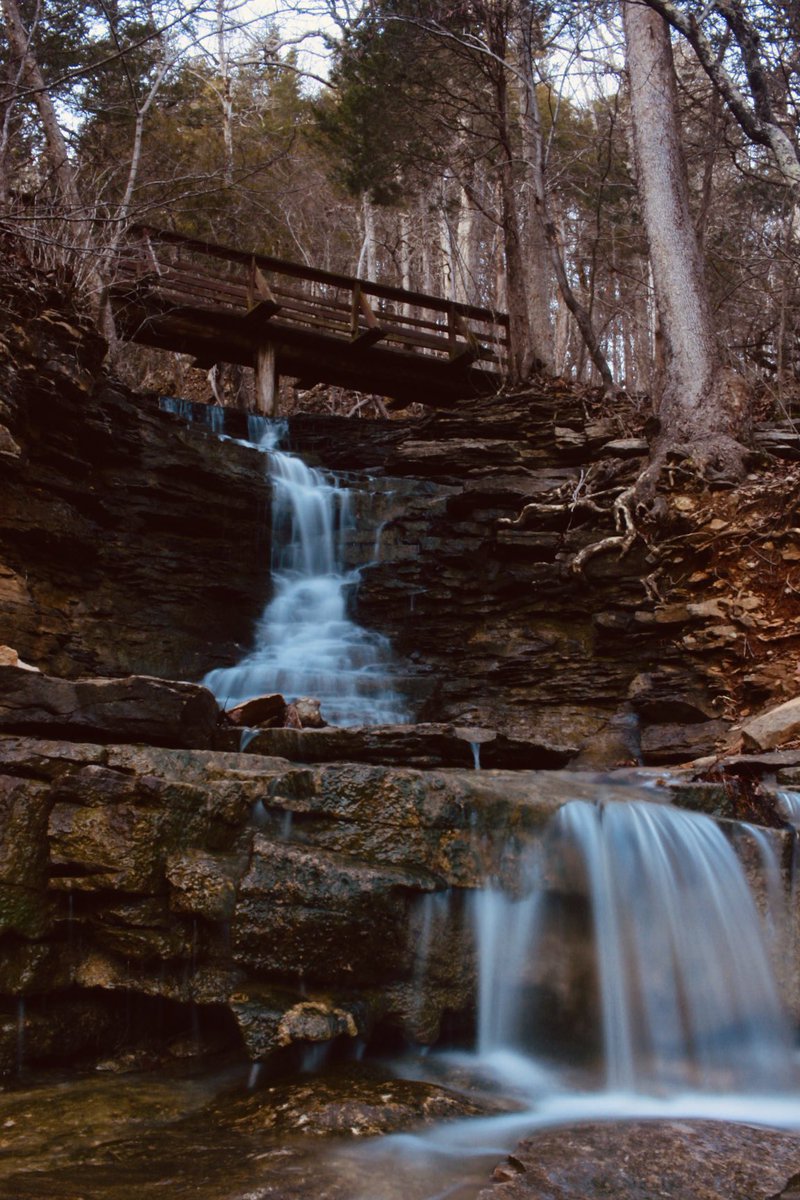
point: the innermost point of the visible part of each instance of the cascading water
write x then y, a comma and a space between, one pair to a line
305, 643
686, 993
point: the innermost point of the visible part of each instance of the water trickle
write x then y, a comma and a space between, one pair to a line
789, 803
506, 930
432, 923
246, 737
20, 1034
306, 645
476, 755
208, 416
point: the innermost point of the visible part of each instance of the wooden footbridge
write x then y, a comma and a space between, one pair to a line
225, 305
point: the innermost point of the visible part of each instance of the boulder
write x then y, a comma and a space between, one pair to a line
263, 712
138, 708
638, 1160
309, 713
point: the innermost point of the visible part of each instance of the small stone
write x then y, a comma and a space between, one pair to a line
309, 713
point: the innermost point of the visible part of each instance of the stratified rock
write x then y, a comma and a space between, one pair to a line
653, 1160
429, 745
326, 916
673, 743
670, 695
772, 728
135, 709
115, 519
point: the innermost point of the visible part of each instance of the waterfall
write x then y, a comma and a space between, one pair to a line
208, 416
305, 643
685, 989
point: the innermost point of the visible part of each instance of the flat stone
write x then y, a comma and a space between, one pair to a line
673, 743
348, 1102
137, 708
426, 745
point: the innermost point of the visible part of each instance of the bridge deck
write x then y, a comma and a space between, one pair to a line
225, 305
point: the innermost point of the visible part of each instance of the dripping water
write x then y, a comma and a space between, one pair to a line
20, 1034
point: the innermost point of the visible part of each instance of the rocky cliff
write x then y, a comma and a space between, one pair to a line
128, 542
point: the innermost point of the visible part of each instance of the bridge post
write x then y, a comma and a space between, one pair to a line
266, 379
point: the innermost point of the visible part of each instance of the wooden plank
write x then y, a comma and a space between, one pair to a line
260, 314
266, 379
362, 310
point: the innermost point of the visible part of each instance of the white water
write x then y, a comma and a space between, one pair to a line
686, 994
691, 1023
305, 642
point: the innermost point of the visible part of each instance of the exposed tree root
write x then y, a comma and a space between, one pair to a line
719, 464
624, 521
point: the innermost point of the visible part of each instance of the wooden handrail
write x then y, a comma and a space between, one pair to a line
267, 262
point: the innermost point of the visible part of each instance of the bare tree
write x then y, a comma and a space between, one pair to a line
701, 405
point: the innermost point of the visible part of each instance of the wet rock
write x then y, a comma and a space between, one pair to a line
204, 884
309, 713
629, 1160
24, 812
323, 915
271, 1018
136, 709
55, 1033
349, 1103
428, 745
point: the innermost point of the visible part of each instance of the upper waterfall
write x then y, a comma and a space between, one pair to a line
305, 642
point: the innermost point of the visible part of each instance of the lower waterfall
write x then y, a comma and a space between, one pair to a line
305, 642
685, 987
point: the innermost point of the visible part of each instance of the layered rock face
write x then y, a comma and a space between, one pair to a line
285, 903
128, 542
498, 630
132, 542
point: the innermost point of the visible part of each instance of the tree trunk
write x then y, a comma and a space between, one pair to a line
57, 153
538, 249
223, 62
701, 407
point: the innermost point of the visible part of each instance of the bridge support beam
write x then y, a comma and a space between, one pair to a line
266, 396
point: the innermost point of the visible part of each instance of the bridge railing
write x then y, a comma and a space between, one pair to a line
189, 271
